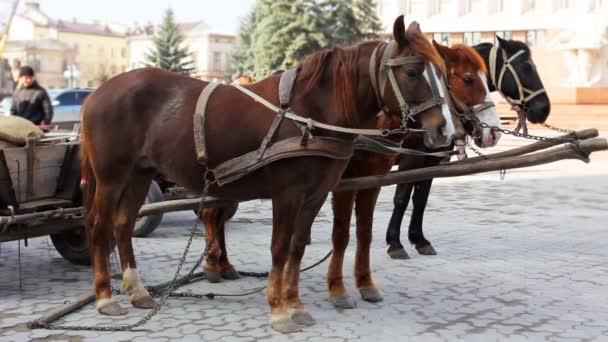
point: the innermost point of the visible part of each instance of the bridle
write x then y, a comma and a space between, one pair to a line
525, 94
384, 73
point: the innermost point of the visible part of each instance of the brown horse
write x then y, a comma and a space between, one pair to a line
140, 123
466, 75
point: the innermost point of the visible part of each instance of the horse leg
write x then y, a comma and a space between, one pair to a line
101, 242
291, 293
393, 232
217, 266
342, 203
131, 200
415, 234
285, 210
364, 211
211, 218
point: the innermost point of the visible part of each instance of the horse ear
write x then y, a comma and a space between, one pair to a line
502, 42
446, 53
414, 28
399, 32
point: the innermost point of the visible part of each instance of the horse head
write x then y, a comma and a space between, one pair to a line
408, 84
469, 92
516, 77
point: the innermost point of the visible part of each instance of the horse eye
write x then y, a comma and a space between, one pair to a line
412, 73
468, 79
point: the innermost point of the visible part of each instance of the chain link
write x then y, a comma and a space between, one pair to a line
124, 327
557, 129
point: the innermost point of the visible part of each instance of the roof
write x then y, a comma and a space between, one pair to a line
186, 28
84, 28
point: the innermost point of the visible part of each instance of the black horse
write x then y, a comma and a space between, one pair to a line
520, 85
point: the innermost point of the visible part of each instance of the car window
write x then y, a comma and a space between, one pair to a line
67, 99
82, 95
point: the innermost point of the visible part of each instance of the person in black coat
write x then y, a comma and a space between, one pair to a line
30, 100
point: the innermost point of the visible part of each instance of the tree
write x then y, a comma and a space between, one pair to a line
168, 52
278, 34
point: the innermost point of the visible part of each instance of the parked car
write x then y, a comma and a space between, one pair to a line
5, 105
66, 105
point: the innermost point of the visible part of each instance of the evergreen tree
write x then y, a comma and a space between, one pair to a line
278, 34
168, 52
367, 17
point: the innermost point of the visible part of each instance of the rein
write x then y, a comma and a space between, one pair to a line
507, 65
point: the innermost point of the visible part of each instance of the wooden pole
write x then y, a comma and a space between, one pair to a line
537, 146
563, 152
63, 310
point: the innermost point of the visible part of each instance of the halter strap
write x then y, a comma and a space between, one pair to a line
507, 65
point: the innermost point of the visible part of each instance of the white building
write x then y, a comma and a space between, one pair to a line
211, 52
568, 38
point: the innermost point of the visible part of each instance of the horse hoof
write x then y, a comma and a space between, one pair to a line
145, 302
230, 273
284, 324
427, 250
343, 301
302, 317
398, 253
110, 307
213, 276
371, 294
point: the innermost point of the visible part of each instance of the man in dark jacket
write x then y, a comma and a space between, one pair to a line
30, 100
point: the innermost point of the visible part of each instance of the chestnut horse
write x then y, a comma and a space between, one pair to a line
140, 123
536, 109
466, 77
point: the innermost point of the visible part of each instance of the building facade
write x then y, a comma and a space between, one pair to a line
211, 52
97, 50
568, 38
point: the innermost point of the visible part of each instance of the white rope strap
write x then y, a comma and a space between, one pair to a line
311, 123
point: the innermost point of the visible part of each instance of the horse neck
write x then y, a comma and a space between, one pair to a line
324, 104
484, 51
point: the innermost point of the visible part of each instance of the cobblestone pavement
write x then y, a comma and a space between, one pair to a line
525, 258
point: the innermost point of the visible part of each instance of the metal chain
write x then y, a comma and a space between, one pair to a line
557, 129
506, 131
124, 327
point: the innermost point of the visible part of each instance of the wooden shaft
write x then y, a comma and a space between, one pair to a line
563, 152
537, 146
63, 310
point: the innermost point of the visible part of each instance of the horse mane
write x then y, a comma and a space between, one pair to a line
343, 64
471, 56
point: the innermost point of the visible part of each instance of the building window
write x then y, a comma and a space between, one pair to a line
535, 38
499, 6
472, 38
508, 35
415, 7
217, 61
529, 5
561, 4
473, 7
442, 38
442, 7
123, 53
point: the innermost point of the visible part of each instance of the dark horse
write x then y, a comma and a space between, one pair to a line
536, 109
140, 124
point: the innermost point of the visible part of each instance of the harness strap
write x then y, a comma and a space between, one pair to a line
382, 77
309, 122
199, 121
288, 79
388, 147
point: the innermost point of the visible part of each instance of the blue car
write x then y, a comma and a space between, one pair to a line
66, 105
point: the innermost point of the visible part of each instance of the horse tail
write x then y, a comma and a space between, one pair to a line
88, 182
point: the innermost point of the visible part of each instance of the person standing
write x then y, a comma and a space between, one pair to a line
30, 100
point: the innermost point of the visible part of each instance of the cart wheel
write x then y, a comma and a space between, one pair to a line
72, 245
144, 226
